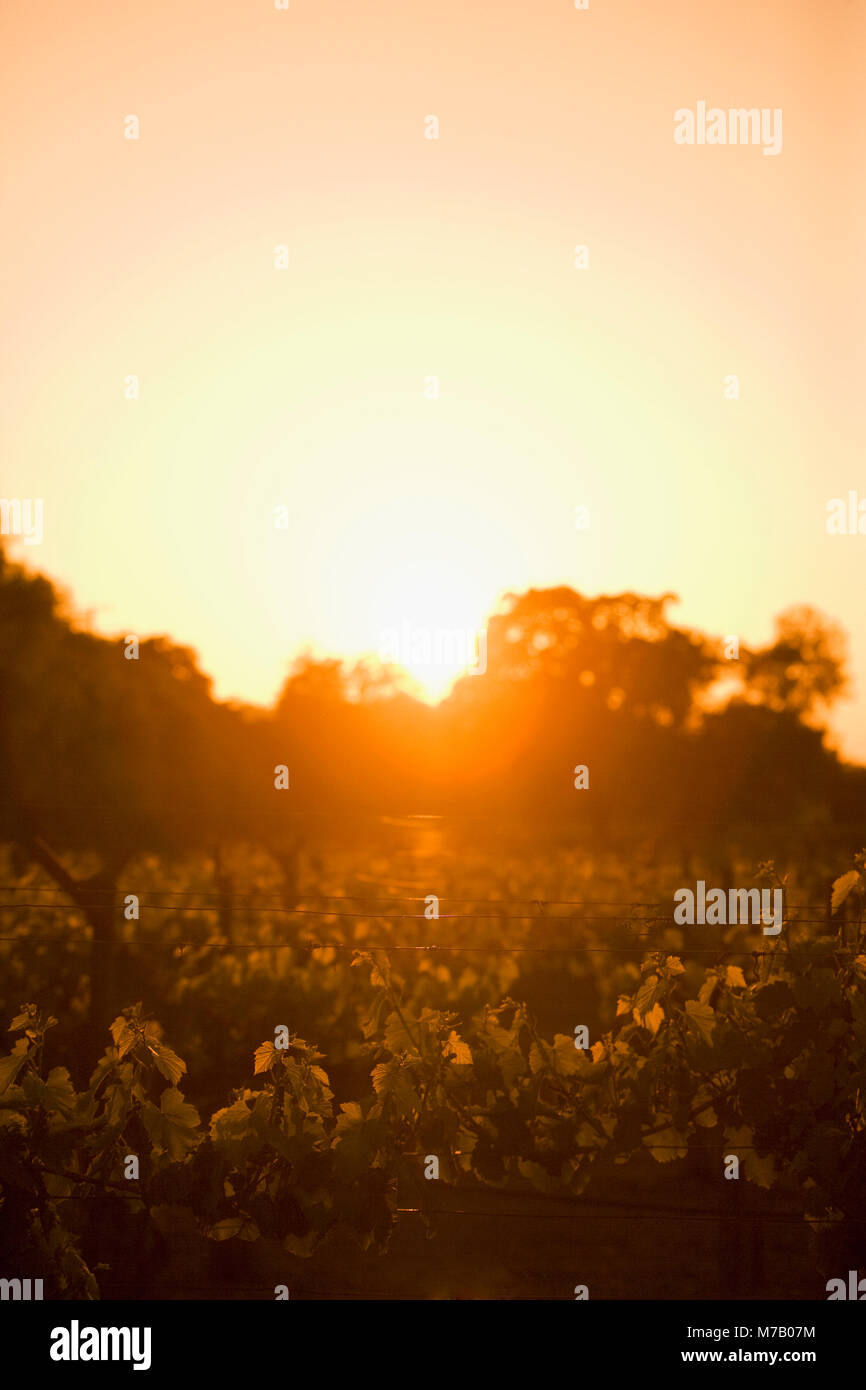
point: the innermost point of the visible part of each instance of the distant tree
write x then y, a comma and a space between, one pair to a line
607, 682
105, 757
802, 668
619, 645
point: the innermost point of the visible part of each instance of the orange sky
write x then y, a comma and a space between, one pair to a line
409, 258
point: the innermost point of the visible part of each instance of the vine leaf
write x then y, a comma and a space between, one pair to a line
56, 1093
230, 1127
168, 1062
702, 1018
232, 1226
391, 1079
172, 1128
842, 887
654, 1019
24, 1019
265, 1056
455, 1047
760, 1171
10, 1066
667, 1145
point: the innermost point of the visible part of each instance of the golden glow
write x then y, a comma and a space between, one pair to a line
308, 387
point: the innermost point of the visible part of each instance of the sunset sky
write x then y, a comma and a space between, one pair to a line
411, 258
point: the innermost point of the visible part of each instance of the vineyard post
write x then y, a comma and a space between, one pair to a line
95, 898
225, 890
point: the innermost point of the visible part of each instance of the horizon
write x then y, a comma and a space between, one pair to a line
285, 377
413, 681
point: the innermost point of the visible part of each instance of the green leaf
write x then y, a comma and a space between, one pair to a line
117, 1106
646, 995
302, 1245
735, 978
702, 1018
172, 1128
392, 1079
127, 1042
380, 1076
654, 1019
168, 1062
264, 1056
537, 1059
288, 1139
760, 1171
57, 1093
10, 1066
231, 1129
25, 1019
667, 1145
707, 1118
538, 1176
459, 1050
843, 887
397, 1035
354, 1142
230, 1227
373, 1022
106, 1063
568, 1060
123, 1036
380, 976
709, 987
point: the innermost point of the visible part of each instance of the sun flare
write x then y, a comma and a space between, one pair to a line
436, 635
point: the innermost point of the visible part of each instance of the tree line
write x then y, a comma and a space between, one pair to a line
103, 757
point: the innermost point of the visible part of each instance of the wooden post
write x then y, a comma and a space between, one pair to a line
225, 888
95, 898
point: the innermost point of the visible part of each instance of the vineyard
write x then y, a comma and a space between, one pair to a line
533, 1083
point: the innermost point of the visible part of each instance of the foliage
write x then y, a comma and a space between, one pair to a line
758, 1054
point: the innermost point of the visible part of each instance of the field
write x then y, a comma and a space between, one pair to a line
559, 1168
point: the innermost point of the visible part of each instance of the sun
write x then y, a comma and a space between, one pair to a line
405, 569
435, 632
434, 657
434, 618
